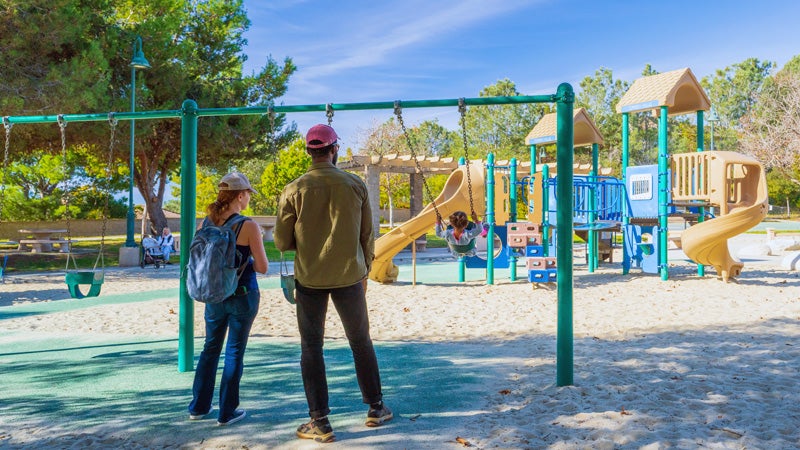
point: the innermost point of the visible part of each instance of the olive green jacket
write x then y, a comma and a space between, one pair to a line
325, 216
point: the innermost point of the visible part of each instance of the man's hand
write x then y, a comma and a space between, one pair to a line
364, 284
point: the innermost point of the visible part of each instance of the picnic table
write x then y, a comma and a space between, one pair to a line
43, 240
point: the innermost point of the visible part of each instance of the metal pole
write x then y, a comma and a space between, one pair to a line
626, 218
663, 184
701, 211
490, 218
131, 217
565, 190
594, 186
545, 209
188, 225
512, 211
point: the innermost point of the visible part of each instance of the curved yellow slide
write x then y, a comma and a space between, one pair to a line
746, 206
454, 197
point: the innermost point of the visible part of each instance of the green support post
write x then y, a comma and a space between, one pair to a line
701, 216
663, 187
531, 180
490, 218
565, 192
462, 260
545, 210
626, 218
188, 225
512, 212
593, 246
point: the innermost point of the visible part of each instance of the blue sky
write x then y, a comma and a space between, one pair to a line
361, 51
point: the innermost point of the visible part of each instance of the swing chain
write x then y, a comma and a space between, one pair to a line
329, 113
62, 125
398, 111
7, 125
462, 110
112, 121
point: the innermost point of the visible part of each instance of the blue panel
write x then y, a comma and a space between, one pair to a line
543, 276
501, 261
534, 250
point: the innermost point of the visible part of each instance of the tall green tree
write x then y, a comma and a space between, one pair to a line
733, 91
72, 56
500, 129
599, 94
291, 162
36, 186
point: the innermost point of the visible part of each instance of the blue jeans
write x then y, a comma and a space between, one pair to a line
166, 250
351, 304
235, 316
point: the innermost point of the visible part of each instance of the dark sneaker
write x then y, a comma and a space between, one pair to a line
201, 416
238, 415
377, 416
319, 430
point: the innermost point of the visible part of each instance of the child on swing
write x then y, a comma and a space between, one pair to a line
460, 232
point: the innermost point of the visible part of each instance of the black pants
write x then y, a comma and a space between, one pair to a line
312, 306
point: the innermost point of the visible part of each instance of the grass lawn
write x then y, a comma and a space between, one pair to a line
85, 253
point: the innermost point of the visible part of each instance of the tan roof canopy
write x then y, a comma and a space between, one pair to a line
395, 163
585, 131
678, 90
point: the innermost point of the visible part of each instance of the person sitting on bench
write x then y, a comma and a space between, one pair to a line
167, 243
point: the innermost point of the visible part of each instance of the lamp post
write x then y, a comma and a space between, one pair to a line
138, 62
712, 119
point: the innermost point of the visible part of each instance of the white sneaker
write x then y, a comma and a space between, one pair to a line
201, 416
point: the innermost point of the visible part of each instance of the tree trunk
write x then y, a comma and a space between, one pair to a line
152, 170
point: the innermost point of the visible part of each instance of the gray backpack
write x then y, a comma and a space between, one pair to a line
212, 273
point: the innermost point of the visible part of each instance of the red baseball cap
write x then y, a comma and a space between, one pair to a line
320, 136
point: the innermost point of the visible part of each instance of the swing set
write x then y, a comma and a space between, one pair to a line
190, 113
73, 276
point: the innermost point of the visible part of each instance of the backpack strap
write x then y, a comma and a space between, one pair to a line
236, 223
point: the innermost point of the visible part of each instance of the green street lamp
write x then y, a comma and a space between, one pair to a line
712, 119
138, 62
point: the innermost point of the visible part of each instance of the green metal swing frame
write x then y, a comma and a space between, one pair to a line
564, 98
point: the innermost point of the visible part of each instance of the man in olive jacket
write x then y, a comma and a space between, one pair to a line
325, 216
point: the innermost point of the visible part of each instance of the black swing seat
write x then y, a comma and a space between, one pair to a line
94, 278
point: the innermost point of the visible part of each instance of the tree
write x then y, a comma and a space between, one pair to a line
771, 128
733, 91
69, 56
36, 185
500, 129
599, 95
291, 163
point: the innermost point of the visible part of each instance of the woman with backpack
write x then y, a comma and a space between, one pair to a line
235, 314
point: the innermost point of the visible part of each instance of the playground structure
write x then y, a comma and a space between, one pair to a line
497, 204
685, 185
190, 113
637, 206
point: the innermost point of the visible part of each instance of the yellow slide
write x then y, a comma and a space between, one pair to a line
454, 197
739, 185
